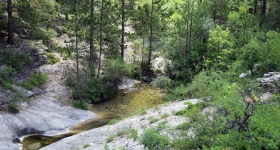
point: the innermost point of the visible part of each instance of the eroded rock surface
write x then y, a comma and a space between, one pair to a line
96, 138
47, 113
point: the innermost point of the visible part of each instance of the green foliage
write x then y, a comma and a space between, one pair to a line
80, 104
13, 105
37, 79
45, 34
122, 131
184, 126
52, 58
179, 93
205, 84
180, 112
112, 121
14, 59
153, 140
269, 54
115, 69
95, 90
142, 111
165, 115
86, 145
111, 138
133, 134
5, 74
153, 120
161, 82
220, 49
162, 125
251, 54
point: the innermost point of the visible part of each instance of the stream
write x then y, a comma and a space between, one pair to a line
128, 102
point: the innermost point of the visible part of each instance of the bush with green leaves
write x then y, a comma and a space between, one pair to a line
81, 104
14, 59
161, 82
5, 73
206, 83
112, 121
153, 140
95, 90
178, 93
114, 70
37, 79
52, 58
13, 105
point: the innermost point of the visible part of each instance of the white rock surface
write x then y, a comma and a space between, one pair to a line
97, 137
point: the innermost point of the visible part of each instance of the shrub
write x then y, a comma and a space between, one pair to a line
112, 121
205, 84
153, 140
162, 125
179, 93
161, 82
5, 73
143, 111
114, 70
153, 120
15, 60
165, 115
184, 126
95, 90
80, 104
13, 105
133, 134
35, 80
111, 138
86, 145
52, 58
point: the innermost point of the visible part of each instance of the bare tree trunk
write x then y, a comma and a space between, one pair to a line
255, 7
100, 42
77, 53
151, 35
263, 12
122, 40
10, 23
91, 44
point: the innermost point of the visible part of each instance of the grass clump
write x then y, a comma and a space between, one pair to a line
162, 125
133, 134
184, 126
120, 132
52, 58
165, 115
81, 105
111, 138
143, 111
153, 120
153, 140
14, 59
86, 145
112, 121
36, 80
13, 105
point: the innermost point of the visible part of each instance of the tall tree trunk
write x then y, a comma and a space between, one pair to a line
122, 40
100, 40
77, 53
263, 12
91, 44
151, 35
10, 23
255, 7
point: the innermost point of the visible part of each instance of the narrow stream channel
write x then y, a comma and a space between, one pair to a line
127, 103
